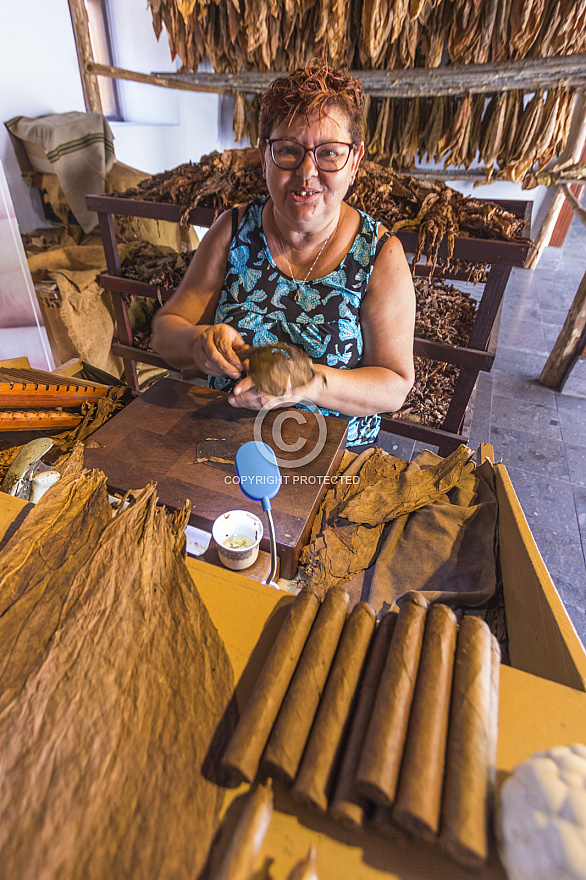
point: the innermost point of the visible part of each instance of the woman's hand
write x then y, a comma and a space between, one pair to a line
246, 395
215, 351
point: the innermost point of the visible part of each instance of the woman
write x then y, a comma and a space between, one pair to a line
302, 266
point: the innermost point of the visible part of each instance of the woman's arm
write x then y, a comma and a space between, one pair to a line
386, 374
184, 332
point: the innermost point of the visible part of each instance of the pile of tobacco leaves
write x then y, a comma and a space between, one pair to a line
116, 691
157, 266
400, 201
444, 314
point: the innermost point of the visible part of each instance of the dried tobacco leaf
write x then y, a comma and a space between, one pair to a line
52, 543
221, 180
102, 748
383, 493
38, 565
384, 34
354, 514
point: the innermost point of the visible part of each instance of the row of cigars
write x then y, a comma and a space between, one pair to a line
380, 725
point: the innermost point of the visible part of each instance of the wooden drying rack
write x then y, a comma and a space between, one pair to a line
476, 357
527, 74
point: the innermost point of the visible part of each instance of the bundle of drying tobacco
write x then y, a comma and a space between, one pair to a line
384, 34
400, 201
506, 133
218, 180
394, 34
116, 683
157, 266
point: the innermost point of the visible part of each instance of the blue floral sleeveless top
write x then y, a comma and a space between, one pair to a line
321, 316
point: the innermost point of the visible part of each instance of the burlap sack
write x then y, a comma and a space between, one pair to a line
86, 310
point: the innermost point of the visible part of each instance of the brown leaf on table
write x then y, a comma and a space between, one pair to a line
353, 515
103, 743
338, 554
94, 416
42, 558
387, 489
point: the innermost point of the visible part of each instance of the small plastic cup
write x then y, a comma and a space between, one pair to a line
238, 534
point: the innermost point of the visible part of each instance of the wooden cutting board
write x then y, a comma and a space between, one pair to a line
156, 438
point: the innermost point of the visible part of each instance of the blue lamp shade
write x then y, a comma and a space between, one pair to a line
258, 472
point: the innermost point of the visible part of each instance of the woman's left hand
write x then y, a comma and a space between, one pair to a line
246, 395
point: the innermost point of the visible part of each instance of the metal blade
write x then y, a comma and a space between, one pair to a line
17, 480
217, 453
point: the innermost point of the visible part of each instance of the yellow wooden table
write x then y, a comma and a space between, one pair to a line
536, 712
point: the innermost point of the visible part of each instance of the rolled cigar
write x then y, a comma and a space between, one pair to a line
247, 743
313, 783
418, 803
306, 869
289, 735
380, 760
241, 853
495, 674
348, 806
470, 747
382, 822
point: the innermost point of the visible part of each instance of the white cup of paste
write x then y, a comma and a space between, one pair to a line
238, 534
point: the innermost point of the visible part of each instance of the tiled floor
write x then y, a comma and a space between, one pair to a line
540, 435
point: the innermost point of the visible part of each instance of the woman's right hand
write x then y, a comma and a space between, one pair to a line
215, 351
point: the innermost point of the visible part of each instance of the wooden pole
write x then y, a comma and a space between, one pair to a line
453, 79
572, 338
572, 154
92, 68
569, 343
85, 54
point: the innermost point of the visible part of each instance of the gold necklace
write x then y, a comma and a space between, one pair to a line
299, 282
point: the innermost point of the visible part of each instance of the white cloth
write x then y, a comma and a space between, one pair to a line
79, 147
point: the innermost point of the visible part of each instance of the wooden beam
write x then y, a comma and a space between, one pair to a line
453, 79
85, 55
478, 176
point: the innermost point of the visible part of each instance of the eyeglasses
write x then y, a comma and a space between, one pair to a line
289, 154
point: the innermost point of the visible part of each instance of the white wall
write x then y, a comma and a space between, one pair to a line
39, 74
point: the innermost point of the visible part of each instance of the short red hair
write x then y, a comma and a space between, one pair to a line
313, 90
